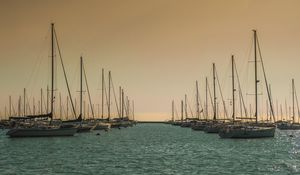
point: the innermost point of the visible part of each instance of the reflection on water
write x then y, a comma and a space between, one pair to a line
150, 149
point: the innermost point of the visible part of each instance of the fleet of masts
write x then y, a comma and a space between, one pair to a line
247, 124
41, 118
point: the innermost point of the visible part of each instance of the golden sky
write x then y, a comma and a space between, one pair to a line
156, 49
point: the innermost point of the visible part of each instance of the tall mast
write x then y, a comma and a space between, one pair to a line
233, 89
293, 97
10, 106
172, 110
41, 111
181, 110
197, 100
60, 106
122, 96
281, 113
128, 107
256, 80
19, 106
67, 108
102, 105
215, 98
206, 98
286, 109
120, 101
24, 101
132, 110
109, 84
185, 106
81, 67
47, 106
52, 69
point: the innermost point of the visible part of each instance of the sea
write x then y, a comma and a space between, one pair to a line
152, 149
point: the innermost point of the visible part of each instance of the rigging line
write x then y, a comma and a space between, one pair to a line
65, 75
38, 60
210, 96
266, 82
223, 101
240, 90
106, 95
87, 87
116, 101
126, 106
199, 100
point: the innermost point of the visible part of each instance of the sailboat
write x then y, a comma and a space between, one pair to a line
100, 123
285, 125
201, 124
82, 127
246, 130
48, 130
214, 125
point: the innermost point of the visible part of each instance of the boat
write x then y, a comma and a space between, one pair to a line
252, 130
290, 125
102, 126
44, 131
246, 131
82, 127
216, 124
41, 132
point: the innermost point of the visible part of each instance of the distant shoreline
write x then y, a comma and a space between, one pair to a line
151, 122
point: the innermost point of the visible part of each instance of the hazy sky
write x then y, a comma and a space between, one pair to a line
156, 49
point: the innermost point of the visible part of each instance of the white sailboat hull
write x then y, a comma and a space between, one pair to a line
247, 132
41, 132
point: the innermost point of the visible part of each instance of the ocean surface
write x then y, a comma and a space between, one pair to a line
150, 149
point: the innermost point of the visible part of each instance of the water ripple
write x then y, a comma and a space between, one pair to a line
151, 149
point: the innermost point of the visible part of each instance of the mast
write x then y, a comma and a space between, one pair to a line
197, 100
47, 106
215, 98
122, 96
133, 110
52, 70
206, 98
19, 106
9, 106
128, 107
33, 105
109, 84
41, 111
24, 101
81, 67
181, 110
233, 88
185, 106
281, 113
60, 105
256, 80
102, 105
293, 98
67, 108
120, 101
172, 110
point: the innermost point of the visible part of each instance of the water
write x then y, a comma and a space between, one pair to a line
150, 149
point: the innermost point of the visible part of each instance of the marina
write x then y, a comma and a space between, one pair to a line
150, 149
149, 87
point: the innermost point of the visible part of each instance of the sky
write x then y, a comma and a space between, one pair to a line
156, 49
